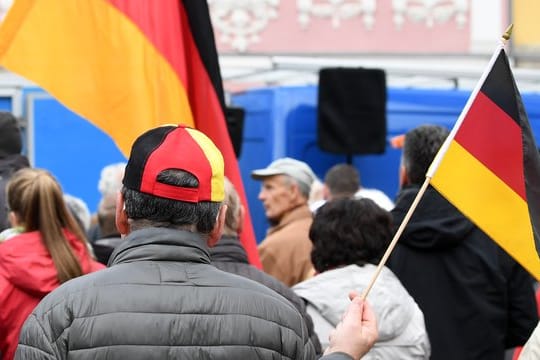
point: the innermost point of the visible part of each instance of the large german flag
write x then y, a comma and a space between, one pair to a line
126, 66
490, 168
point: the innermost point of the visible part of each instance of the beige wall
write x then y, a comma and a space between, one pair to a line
526, 19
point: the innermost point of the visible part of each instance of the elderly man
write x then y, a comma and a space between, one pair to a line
161, 298
286, 251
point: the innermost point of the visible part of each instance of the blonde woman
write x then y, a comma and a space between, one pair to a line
49, 250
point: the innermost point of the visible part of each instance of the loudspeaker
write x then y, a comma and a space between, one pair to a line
234, 116
351, 116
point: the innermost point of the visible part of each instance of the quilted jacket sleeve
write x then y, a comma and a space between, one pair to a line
34, 342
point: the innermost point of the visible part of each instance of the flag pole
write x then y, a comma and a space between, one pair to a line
435, 164
395, 238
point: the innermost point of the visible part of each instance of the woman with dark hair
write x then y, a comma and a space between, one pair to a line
50, 250
349, 238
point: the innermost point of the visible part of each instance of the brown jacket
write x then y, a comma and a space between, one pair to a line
286, 251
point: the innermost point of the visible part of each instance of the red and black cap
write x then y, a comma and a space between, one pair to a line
178, 148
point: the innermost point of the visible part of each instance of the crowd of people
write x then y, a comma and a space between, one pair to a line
159, 272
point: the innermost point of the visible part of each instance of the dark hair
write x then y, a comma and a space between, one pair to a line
347, 231
171, 213
10, 135
420, 147
342, 180
36, 198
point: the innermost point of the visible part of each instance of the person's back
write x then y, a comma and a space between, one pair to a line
349, 237
477, 301
47, 252
161, 298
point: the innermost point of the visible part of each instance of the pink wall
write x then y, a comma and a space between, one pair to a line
285, 34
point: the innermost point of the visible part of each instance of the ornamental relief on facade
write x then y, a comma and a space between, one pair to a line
240, 24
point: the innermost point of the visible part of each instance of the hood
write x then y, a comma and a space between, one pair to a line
328, 293
229, 249
26, 263
435, 224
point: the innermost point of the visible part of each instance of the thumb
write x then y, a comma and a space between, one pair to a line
353, 294
355, 311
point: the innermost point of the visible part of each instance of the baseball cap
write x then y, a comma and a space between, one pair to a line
296, 169
178, 148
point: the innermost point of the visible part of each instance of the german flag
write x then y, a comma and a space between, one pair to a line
489, 167
126, 66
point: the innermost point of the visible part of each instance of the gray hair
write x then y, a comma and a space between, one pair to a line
145, 210
79, 210
110, 181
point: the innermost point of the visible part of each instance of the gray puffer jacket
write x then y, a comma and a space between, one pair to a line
161, 299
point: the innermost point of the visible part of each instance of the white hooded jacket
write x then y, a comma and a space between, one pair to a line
402, 331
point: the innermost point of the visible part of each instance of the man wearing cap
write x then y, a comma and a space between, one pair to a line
285, 253
161, 298
11, 159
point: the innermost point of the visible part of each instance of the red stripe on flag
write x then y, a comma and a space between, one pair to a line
183, 55
165, 34
494, 138
210, 119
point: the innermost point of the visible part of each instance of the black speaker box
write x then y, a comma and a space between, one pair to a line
351, 116
235, 124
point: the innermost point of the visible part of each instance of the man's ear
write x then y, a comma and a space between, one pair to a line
241, 219
122, 223
217, 231
325, 192
403, 177
296, 193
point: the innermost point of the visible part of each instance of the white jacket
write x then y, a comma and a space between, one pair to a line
402, 331
531, 350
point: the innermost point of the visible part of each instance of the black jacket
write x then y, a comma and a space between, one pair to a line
229, 255
476, 300
161, 299
104, 247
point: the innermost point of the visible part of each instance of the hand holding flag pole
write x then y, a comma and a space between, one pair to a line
483, 143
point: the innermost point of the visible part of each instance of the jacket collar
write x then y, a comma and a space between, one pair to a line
298, 213
161, 244
229, 249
